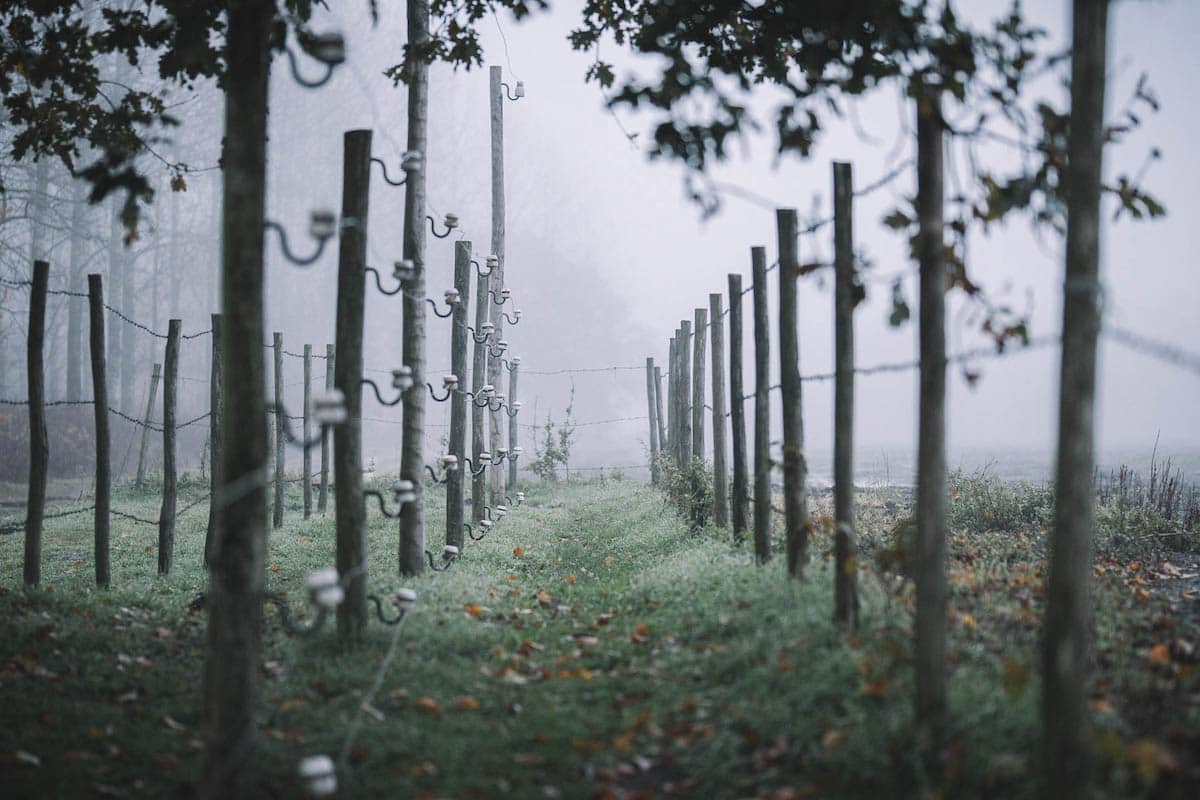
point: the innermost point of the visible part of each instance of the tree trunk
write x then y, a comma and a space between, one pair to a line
234, 597
39, 443
930, 556
456, 485
845, 547
412, 457
100, 417
1066, 735
740, 496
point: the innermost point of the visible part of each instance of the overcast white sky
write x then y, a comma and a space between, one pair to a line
606, 255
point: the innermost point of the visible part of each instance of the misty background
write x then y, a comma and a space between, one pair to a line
606, 254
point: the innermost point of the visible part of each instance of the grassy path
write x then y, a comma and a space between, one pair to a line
590, 647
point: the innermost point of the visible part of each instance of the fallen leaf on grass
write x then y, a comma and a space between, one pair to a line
833, 739
876, 688
467, 703
571, 579
529, 759
474, 610
1159, 655
518, 552
430, 707
641, 633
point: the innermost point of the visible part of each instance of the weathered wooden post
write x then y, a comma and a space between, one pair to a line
216, 437
79, 227
663, 445
514, 427
698, 357
845, 547
672, 398
479, 365
740, 495
322, 497
685, 394
39, 443
100, 416
499, 222
795, 500
456, 483
762, 408
155, 375
306, 483
650, 415
716, 323
280, 421
166, 514
929, 627
347, 438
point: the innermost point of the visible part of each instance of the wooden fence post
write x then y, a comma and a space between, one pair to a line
347, 438
663, 445
685, 393
216, 440
795, 499
672, 399
498, 280
740, 495
166, 515
716, 323
514, 427
456, 483
155, 375
845, 547
762, 408
307, 481
100, 415
323, 497
698, 357
479, 365
280, 421
39, 444
650, 410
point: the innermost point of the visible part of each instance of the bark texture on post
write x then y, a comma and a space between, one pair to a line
720, 477
845, 541
499, 217
653, 422
795, 468
280, 420
930, 551
699, 351
1066, 735
216, 438
234, 597
323, 495
684, 348
306, 482
166, 515
762, 408
740, 494
39, 443
347, 438
155, 376
102, 516
663, 445
673, 398
455, 486
479, 365
411, 545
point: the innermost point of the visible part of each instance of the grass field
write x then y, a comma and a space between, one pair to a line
592, 646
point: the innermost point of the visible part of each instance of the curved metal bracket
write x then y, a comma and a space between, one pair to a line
475, 473
508, 365
433, 475
511, 320
495, 352
501, 301
379, 284
471, 532
285, 616
437, 399
400, 612
300, 79
386, 179
433, 305
508, 92
287, 251
375, 388
433, 228
288, 435
478, 339
479, 270
382, 503
511, 412
445, 566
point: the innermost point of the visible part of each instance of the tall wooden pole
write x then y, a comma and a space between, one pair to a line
280, 420
306, 483
75, 306
455, 486
411, 546
234, 597
39, 443
845, 547
716, 325
762, 408
929, 657
499, 217
100, 417
514, 427
323, 496
216, 439
699, 351
663, 445
1066, 734
347, 438
795, 500
650, 415
684, 347
166, 515
740, 493
673, 398
479, 366
155, 376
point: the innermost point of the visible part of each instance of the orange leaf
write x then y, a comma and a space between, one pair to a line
876, 688
430, 707
518, 552
467, 703
641, 633
1159, 655
571, 579
276, 568
474, 610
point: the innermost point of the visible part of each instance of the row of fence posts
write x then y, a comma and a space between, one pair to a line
680, 441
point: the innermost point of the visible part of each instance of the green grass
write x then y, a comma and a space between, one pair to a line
619, 653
